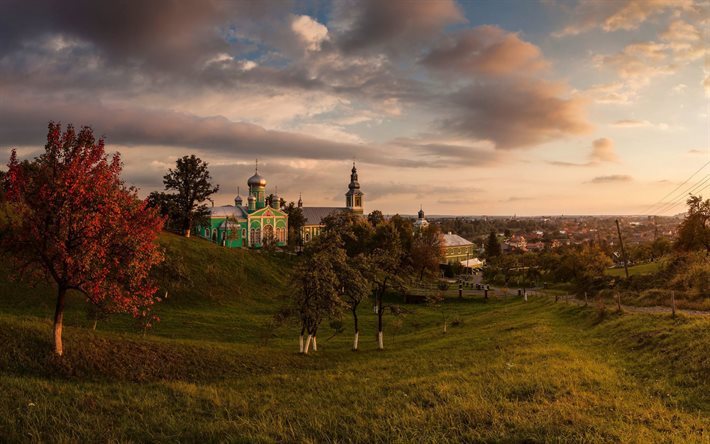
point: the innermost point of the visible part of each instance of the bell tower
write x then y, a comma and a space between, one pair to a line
354, 197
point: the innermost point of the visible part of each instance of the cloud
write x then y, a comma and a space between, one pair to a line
516, 113
380, 190
486, 49
618, 14
392, 25
603, 151
22, 123
613, 92
158, 33
631, 123
634, 123
309, 31
614, 178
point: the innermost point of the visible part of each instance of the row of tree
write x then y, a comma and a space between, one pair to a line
354, 260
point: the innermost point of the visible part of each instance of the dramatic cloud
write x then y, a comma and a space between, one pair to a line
23, 124
618, 14
393, 25
488, 50
614, 178
517, 113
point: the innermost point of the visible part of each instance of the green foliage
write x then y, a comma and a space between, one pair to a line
296, 221
191, 185
694, 231
493, 248
375, 218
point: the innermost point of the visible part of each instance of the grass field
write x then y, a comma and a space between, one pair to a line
640, 269
506, 370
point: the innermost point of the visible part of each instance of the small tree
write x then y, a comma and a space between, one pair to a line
354, 235
375, 218
694, 231
316, 287
76, 223
493, 247
192, 182
296, 221
388, 269
427, 251
437, 301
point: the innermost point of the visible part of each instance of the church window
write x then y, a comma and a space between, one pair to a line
244, 233
207, 232
257, 235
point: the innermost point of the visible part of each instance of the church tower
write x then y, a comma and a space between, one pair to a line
354, 197
257, 189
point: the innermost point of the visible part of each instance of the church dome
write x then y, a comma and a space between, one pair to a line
256, 180
421, 214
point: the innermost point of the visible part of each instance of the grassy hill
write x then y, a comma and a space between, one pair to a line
505, 370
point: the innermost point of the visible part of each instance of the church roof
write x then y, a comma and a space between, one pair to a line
315, 215
454, 240
228, 210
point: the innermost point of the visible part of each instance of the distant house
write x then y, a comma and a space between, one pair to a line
457, 249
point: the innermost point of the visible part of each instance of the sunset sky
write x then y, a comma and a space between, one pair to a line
471, 108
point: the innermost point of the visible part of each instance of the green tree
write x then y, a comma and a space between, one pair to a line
493, 248
354, 234
388, 269
191, 181
427, 251
317, 287
694, 231
296, 221
375, 218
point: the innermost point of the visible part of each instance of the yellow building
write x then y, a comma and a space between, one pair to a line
457, 249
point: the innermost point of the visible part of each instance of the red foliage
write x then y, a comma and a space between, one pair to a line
75, 221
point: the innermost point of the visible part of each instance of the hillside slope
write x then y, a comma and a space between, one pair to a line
214, 370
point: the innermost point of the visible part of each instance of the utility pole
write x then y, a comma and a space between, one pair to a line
623, 251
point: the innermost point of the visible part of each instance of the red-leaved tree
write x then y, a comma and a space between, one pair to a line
74, 221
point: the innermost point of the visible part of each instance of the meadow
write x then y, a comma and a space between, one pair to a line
216, 368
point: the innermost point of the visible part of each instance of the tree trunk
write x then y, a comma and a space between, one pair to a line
380, 341
59, 321
444, 326
300, 340
94, 326
315, 344
187, 232
357, 330
308, 344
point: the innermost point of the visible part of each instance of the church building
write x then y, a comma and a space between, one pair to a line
253, 224
250, 225
314, 216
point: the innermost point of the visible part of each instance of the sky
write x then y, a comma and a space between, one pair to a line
466, 108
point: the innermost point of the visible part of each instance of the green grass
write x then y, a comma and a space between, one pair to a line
641, 269
507, 371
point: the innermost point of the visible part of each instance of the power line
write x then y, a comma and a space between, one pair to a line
682, 196
698, 191
648, 210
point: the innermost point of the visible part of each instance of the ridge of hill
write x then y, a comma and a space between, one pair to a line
215, 369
